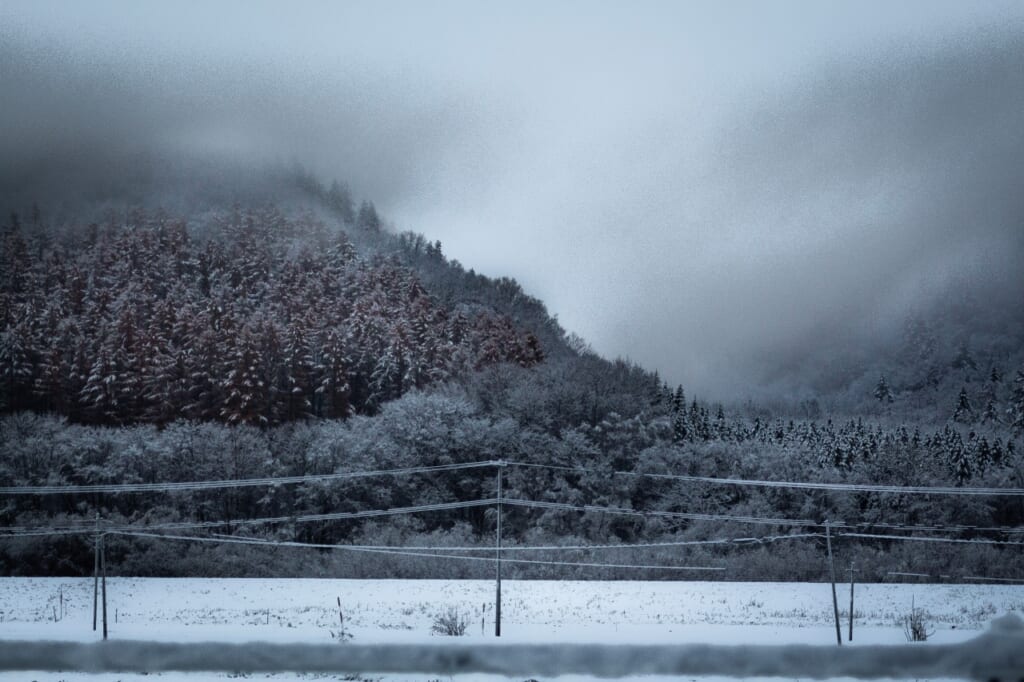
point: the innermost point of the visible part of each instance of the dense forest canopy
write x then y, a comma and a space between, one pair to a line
263, 319
301, 334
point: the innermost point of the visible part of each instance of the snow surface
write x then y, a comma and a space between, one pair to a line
402, 611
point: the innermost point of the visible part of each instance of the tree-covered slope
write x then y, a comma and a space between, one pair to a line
299, 335
243, 316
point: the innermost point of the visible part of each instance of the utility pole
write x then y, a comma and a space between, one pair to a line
832, 572
103, 570
96, 572
497, 560
852, 571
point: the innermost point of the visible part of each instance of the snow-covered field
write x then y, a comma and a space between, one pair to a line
397, 611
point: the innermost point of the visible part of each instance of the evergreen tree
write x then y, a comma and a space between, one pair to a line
964, 360
959, 459
679, 400
882, 392
15, 259
1015, 411
991, 413
339, 198
100, 394
331, 396
368, 219
963, 413
16, 368
245, 388
294, 374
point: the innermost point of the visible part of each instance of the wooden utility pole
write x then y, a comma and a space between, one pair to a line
832, 573
103, 570
96, 573
497, 561
852, 571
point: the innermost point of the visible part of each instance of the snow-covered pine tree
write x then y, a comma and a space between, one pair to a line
990, 413
960, 463
1015, 411
245, 388
330, 377
963, 413
294, 374
883, 393
16, 367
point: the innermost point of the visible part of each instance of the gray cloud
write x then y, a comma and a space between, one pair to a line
708, 189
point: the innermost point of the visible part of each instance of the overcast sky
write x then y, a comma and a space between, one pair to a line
690, 185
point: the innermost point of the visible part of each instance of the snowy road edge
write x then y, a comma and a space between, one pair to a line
996, 654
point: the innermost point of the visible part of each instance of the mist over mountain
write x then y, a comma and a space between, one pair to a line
755, 196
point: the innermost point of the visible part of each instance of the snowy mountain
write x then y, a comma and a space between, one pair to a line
273, 328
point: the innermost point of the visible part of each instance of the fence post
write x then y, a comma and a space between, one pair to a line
832, 573
497, 560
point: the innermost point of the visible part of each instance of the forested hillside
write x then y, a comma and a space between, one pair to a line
250, 317
306, 337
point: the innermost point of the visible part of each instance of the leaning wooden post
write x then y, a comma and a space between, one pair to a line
497, 561
103, 570
96, 572
832, 573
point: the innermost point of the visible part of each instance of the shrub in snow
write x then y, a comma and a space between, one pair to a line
914, 626
449, 623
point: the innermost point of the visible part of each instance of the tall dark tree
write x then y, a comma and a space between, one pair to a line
339, 198
883, 393
367, 218
16, 368
963, 359
1015, 411
963, 413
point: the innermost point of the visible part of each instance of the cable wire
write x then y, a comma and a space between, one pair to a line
918, 538
562, 506
622, 545
229, 483
805, 485
398, 552
305, 518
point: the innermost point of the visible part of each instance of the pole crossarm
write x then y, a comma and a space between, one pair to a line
996, 654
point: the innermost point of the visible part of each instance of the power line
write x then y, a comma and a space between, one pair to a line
562, 506
229, 483
622, 545
1010, 530
918, 538
286, 480
23, 531
999, 580
305, 518
903, 574
404, 552
805, 485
